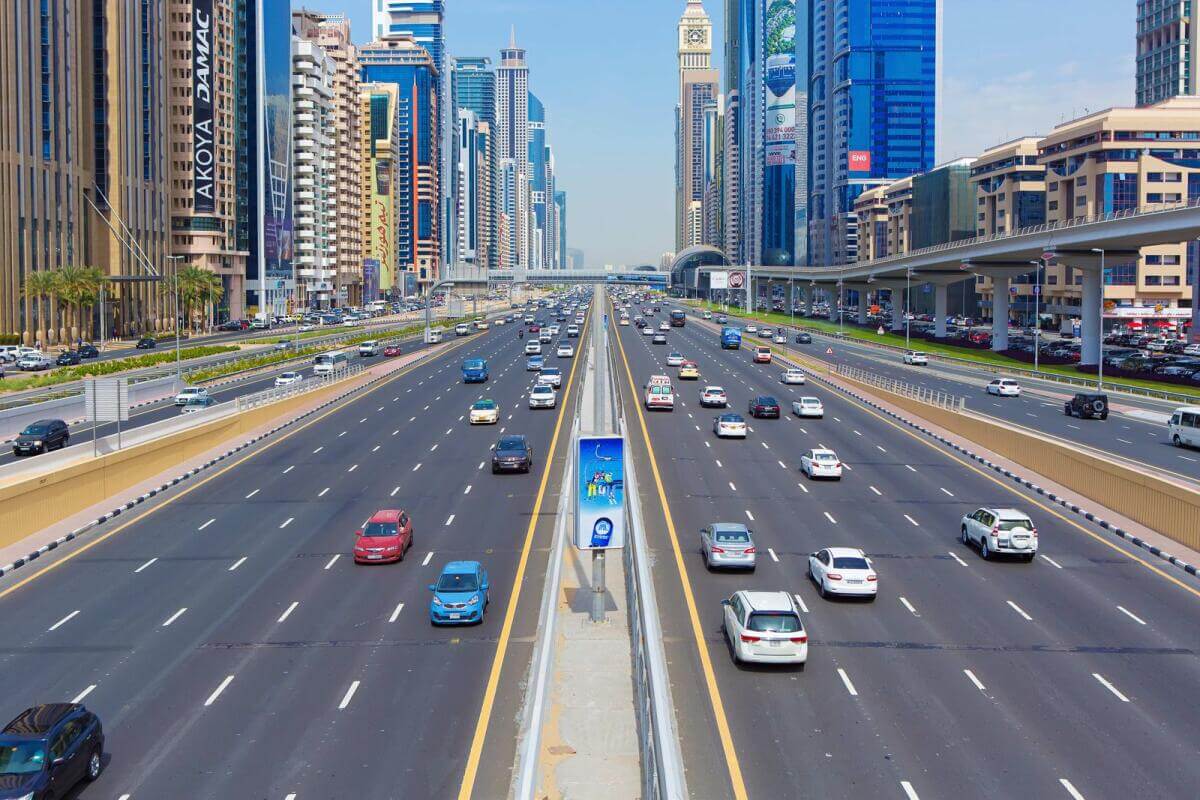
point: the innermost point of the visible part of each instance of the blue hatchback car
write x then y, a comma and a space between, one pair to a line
460, 596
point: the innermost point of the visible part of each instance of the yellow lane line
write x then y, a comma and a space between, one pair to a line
493, 683
714, 693
399, 374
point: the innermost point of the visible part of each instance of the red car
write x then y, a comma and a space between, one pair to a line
388, 535
535, 328
391, 351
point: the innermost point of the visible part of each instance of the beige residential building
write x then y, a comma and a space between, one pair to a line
332, 33
202, 113
872, 213
897, 196
1116, 160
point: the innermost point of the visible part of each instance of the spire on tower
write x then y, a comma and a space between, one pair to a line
512, 38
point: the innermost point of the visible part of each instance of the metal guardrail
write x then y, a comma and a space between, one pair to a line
949, 402
662, 759
276, 393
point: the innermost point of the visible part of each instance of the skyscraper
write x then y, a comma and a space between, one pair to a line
560, 212
699, 85
379, 197
399, 60
1168, 50
872, 109
537, 183
472, 193
512, 145
473, 88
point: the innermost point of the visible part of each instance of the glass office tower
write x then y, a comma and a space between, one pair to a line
872, 108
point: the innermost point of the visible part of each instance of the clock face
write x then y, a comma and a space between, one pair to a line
696, 36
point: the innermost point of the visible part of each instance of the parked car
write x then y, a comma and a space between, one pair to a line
41, 437
999, 531
49, 749
1087, 405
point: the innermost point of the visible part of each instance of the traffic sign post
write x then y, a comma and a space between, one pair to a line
106, 400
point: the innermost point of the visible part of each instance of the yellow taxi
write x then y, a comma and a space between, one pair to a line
689, 371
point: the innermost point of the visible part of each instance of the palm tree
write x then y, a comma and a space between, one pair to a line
93, 280
74, 287
39, 286
211, 292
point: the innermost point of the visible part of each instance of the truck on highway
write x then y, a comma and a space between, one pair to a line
731, 339
678, 319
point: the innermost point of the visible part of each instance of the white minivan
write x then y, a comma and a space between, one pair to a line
1184, 427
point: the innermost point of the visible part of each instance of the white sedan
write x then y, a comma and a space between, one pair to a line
485, 412
565, 351
916, 359
713, 397
792, 377
306, 328
189, 394
674, 359
751, 328
808, 407
843, 571
289, 378
1004, 387
779, 338
731, 425
648, 330
542, 395
664, 326
821, 464
533, 349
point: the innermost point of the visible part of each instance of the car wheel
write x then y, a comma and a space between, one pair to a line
821, 590
1104, 415
1175, 440
1067, 410
95, 765
494, 470
965, 539
1029, 558
983, 549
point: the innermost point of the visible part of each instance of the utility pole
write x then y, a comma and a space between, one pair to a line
175, 271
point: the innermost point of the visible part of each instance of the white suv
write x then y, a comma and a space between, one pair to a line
1001, 531
765, 627
367, 349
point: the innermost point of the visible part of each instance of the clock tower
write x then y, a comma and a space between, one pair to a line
699, 88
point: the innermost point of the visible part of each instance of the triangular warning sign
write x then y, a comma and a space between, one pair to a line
880, 331
828, 351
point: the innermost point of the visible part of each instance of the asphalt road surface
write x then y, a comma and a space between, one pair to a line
1072, 676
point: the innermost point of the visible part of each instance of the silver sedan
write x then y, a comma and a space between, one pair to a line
728, 544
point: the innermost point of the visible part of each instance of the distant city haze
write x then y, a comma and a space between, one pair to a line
607, 75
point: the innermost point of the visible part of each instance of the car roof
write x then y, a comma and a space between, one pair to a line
844, 552
550, 370
512, 438
714, 388
728, 526
729, 415
808, 397
822, 450
386, 515
1008, 513
460, 567
768, 601
40, 720
764, 398
45, 422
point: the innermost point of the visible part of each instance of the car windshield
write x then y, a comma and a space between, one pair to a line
35, 430
731, 536
542, 389
380, 529
512, 443
1016, 525
851, 562
811, 401
774, 622
473, 364
458, 582
21, 758
766, 401
550, 371
484, 405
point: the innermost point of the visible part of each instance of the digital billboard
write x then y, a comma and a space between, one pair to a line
600, 493
779, 50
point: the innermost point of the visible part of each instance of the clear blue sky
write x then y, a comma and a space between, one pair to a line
606, 71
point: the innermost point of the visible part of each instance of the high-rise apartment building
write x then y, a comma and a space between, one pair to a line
512, 146
537, 184
332, 33
560, 215
84, 144
872, 105
473, 88
1168, 49
699, 86
550, 238
473, 189
316, 174
404, 63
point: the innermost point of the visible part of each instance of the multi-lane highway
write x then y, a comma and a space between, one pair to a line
233, 648
1134, 431
1067, 677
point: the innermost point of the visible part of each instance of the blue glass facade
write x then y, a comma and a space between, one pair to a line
537, 176
872, 108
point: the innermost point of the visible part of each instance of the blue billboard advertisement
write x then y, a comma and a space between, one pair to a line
657, 278
600, 493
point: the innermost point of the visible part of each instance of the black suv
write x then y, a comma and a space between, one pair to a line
512, 453
48, 749
803, 338
41, 437
147, 343
1085, 405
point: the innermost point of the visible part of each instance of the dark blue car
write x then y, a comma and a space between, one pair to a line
474, 370
48, 749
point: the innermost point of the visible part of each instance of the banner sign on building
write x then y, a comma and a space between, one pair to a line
204, 156
737, 279
860, 161
718, 280
600, 493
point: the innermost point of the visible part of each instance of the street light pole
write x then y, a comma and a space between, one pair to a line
175, 271
1100, 343
907, 314
1037, 312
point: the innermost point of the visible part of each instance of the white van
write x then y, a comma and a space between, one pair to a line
1184, 427
433, 336
326, 363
